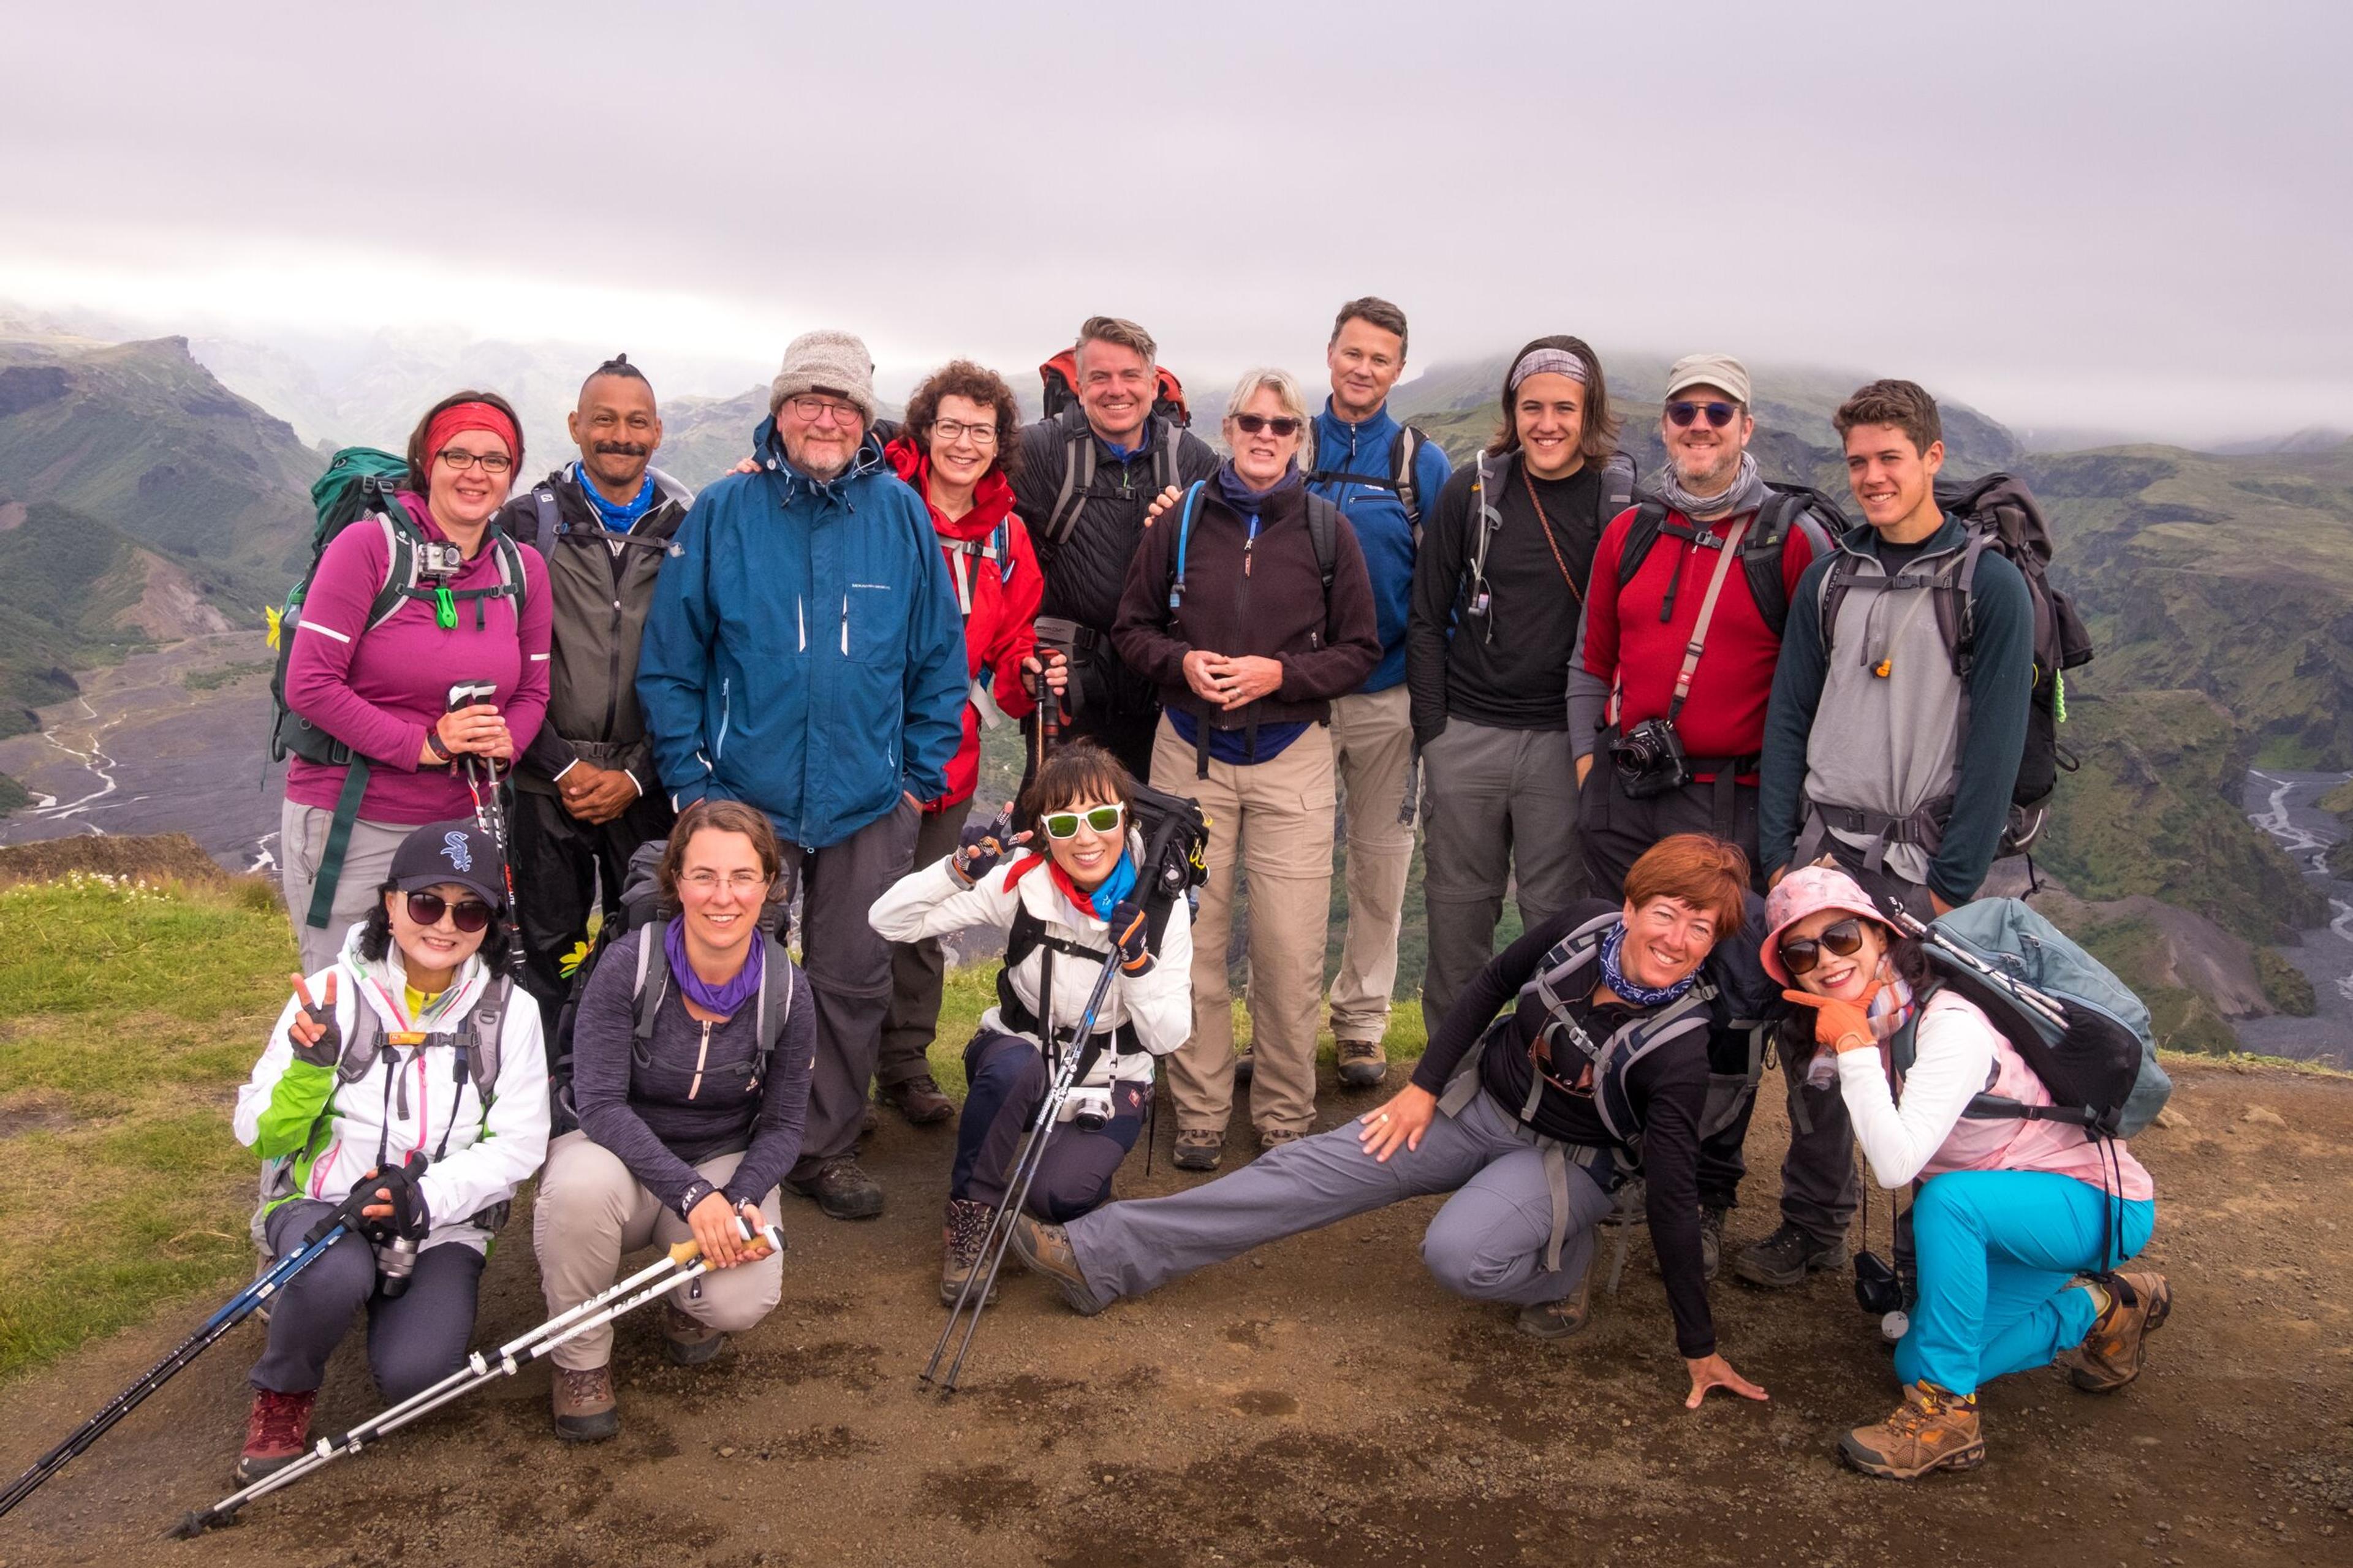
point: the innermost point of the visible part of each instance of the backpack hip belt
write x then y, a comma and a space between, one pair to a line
1923, 828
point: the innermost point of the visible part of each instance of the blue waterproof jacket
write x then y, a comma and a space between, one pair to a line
1379, 517
804, 653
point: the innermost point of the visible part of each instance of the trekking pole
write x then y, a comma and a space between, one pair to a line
2049, 1008
491, 816
1000, 1234
321, 1236
681, 1264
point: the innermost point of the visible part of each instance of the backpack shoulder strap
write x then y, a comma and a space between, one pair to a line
647, 1001
1324, 534
1956, 589
512, 574
550, 518
1403, 453
1184, 537
1078, 479
1648, 518
1489, 518
483, 1039
1618, 476
769, 1020
361, 1045
1784, 513
401, 538
1165, 471
1836, 583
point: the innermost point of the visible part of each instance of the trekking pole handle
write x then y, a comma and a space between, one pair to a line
691, 1251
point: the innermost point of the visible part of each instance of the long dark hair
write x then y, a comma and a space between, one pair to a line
1598, 439
376, 933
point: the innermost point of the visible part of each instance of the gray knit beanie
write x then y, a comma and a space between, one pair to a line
836, 362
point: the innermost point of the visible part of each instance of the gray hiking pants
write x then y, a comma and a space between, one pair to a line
367, 860
849, 970
918, 969
1487, 1243
1499, 807
414, 1340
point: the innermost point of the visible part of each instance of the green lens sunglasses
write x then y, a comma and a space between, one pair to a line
1102, 819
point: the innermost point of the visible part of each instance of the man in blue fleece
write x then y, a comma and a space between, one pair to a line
805, 655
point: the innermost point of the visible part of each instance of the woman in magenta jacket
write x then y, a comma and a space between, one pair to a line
384, 689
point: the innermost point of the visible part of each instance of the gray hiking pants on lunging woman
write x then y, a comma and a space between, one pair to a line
1488, 1243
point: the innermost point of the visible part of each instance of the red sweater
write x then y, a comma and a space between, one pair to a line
1624, 638
1002, 605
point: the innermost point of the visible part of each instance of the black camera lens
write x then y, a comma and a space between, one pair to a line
1877, 1290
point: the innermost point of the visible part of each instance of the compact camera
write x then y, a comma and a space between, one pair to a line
1649, 760
439, 558
1089, 1109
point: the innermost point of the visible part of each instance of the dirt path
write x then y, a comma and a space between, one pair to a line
1323, 1403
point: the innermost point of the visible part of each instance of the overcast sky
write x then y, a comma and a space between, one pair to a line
2110, 215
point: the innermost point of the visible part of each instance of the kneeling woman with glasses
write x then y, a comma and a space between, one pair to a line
691, 1057
413, 1040
1069, 908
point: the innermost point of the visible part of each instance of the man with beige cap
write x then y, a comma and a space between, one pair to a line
805, 656
1673, 670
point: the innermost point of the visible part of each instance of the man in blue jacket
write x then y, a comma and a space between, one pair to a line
805, 655
1381, 475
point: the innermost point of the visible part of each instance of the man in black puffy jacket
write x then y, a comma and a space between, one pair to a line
1082, 481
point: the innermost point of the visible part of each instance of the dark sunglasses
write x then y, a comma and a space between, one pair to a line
467, 914
1840, 941
1718, 414
1281, 424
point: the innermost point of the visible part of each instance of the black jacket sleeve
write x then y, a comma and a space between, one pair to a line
600, 1076
1670, 1089
1436, 580
1798, 677
784, 1103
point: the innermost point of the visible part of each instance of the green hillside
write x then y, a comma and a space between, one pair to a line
64, 579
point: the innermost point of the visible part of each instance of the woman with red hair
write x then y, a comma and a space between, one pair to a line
378, 676
1577, 1058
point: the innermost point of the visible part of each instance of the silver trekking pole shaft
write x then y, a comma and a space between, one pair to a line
999, 1236
2027, 995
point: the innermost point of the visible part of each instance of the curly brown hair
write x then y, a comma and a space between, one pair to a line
1599, 441
976, 382
1902, 403
419, 459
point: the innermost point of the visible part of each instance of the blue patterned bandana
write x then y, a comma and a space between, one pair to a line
1639, 995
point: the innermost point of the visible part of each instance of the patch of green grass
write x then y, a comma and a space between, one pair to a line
224, 674
2285, 987
12, 793
129, 1013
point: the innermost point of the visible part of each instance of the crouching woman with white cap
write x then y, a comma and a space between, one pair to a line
2018, 1222
412, 1041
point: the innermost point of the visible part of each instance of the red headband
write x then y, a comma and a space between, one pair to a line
459, 416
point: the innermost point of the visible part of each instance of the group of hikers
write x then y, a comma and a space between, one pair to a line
1728, 753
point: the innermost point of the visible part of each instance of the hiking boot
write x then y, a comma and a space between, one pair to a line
1711, 1242
276, 1434
870, 1124
843, 1189
686, 1340
1046, 1249
1785, 1257
1243, 1063
918, 1100
1362, 1063
1198, 1148
2113, 1353
1931, 1430
1270, 1139
1558, 1320
960, 1242
582, 1404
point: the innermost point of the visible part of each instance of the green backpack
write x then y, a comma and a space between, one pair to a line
362, 482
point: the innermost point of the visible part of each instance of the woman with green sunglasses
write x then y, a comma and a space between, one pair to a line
1065, 890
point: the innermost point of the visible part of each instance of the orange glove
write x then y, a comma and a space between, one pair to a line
1841, 1026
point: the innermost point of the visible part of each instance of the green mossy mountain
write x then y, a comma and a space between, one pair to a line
65, 579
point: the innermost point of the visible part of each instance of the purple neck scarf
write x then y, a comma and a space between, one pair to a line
724, 999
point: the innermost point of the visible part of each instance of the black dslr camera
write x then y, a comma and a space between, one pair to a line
1649, 760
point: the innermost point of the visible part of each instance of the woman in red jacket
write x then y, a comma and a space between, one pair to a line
960, 427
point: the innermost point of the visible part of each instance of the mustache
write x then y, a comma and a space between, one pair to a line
621, 449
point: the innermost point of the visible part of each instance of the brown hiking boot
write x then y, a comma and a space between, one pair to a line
582, 1404
1046, 1249
2116, 1350
1362, 1063
918, 1100
687, 1341
960, 1242
1931, 1430
1270, 1139
1558, 1320
1200, 1148
276, 1434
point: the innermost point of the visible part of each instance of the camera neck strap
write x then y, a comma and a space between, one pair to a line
1724, 555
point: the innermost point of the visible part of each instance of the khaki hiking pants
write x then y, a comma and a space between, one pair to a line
1273, 820
1372, 742
592, 1212
302, 840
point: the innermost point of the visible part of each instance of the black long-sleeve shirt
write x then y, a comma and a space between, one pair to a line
1667, 1089
1510, 668
666, 1115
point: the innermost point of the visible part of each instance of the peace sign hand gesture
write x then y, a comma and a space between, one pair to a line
317, 1039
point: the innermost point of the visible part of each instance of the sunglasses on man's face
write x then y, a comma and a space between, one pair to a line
1281, 424
1841, 940
1718, 414
1102, 819
466, 914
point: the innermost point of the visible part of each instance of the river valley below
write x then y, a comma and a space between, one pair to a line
2282, 803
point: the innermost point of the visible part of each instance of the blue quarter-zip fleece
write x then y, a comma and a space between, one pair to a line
804, 654
1379, 517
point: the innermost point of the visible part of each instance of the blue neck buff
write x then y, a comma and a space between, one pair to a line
1116, 887
1640, 996
617, 517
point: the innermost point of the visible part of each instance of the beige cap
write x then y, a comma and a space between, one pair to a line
1720, 371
